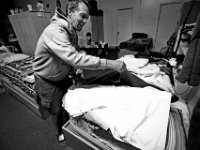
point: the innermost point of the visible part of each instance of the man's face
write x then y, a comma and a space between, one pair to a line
79, 17
88, 37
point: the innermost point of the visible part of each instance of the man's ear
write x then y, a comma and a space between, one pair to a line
70, 13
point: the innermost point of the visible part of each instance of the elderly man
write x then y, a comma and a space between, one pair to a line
57, 56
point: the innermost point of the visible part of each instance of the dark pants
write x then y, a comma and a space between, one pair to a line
52, 92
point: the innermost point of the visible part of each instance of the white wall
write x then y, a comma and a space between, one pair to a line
109, 8
145, 16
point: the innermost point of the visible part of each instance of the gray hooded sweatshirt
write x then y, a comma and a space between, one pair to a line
56, 51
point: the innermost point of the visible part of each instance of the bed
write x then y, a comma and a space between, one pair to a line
82, 134
16, 76
100, 114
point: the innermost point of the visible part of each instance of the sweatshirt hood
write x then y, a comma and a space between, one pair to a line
61, 18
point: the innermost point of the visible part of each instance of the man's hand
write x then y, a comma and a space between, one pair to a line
119, 66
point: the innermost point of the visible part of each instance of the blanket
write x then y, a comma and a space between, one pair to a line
138, 116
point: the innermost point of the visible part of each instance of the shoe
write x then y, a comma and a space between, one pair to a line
61, 140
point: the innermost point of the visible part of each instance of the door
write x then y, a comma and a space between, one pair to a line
167, 23
124, 25
63, 5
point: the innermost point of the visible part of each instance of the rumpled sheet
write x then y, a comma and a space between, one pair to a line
150, 73
138, 116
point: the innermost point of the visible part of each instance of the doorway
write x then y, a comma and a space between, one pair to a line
167, 22
124, 24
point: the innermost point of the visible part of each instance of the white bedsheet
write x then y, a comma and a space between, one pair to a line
150, 73
138, 116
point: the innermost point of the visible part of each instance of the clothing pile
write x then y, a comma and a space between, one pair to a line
149, 72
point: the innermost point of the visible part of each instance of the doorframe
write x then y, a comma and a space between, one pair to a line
158, 20
121, 9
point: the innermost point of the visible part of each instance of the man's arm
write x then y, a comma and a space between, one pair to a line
60, 44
